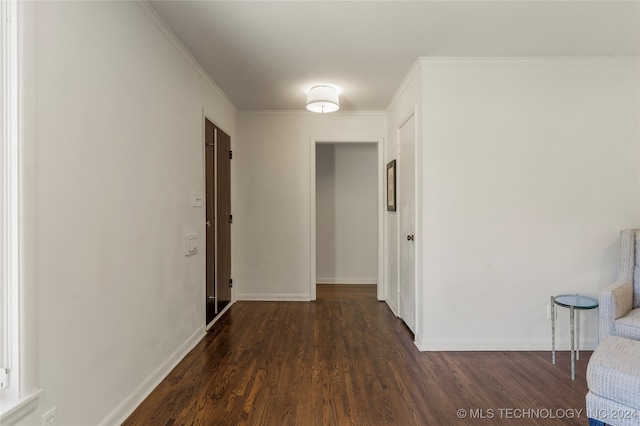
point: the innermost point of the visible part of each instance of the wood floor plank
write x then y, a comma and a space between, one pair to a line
347, 360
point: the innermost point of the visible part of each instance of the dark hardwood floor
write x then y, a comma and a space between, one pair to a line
347, 360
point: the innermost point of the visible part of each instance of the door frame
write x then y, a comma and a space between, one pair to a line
379, 142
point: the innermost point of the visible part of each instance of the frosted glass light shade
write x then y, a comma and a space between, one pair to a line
323, 99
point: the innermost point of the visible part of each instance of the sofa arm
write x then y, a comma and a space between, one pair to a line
615, 302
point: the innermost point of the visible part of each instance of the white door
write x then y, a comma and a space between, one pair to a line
406, 210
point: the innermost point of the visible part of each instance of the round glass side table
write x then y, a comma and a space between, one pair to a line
575, 303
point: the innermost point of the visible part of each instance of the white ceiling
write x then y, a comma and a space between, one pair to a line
265, 54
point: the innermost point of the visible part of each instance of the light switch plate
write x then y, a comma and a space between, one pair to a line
190, 245
196, 199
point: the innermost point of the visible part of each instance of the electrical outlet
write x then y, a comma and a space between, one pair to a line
49, 418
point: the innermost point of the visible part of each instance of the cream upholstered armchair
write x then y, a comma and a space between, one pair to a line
620, 302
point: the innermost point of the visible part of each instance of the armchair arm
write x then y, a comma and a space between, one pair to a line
615, 302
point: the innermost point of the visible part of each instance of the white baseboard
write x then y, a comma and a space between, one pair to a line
131, 402
500, 345
220, 314
346, 280
392, 306
284, 297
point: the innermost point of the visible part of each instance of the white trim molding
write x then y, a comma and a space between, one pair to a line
309, 113
468, 345
359, 281
484, 61
12, 413
220, 314
131, 402
284, 297
415, 68
164, 28
23, 394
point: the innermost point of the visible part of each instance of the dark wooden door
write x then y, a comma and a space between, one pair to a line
218, 219
223, 228
210, 220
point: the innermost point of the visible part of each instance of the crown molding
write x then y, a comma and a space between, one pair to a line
175, 41
529, 60
313, 114
405, 83
486, 61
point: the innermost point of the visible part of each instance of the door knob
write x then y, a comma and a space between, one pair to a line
208, 223
410, 237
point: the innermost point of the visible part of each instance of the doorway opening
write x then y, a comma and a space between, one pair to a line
346, 220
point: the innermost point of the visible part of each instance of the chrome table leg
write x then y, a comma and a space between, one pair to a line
573, 362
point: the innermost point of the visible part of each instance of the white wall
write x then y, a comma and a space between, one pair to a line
347, 213
119, 150
272, 212
530, 170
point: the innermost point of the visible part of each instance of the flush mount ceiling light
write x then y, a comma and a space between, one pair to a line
323, 99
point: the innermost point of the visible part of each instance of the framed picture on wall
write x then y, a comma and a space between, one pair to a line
391, 186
